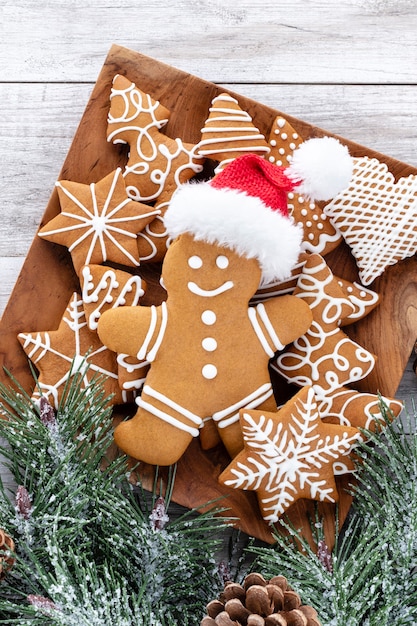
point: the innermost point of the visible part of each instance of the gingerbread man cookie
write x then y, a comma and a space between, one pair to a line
228, 233
191, 344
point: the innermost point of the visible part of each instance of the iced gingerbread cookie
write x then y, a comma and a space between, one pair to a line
229, 132
377, 217
362, 299
227, 234
192, 334
131, 372
325, 357
58, 353
319, 233
105, 288
156, 163
98, 222
288, 455
132, 114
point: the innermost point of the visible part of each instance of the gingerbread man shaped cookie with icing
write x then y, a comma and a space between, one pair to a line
208, 349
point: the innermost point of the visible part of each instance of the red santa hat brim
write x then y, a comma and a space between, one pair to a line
243, 223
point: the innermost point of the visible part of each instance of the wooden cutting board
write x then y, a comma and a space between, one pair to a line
47, 278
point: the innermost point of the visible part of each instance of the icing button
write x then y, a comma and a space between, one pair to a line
208, 317
209, 371
209, 344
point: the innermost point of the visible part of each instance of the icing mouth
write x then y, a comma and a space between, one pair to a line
209, 293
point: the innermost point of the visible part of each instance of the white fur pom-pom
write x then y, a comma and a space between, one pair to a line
321, 168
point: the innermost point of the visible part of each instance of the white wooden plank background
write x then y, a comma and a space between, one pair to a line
348, 66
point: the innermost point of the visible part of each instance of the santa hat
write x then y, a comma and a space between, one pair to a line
244, 207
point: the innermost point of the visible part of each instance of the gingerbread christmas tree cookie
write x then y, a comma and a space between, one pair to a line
132, 114
105, 288
325, 357
156, 163
229, 132
289, 455
98, 222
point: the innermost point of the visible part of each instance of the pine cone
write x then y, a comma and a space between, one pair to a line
6, 553
259, 602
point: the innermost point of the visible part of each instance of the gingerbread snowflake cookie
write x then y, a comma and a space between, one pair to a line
227, 233
57, 354
289, 455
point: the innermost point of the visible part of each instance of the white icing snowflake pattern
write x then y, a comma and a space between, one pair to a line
287, 460
58, 354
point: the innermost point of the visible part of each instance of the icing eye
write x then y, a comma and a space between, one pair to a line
222, 262
195, 262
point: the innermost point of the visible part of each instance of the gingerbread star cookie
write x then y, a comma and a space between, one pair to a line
57, 354
377, 217
229, 132
289, 455
320, 235
98, 222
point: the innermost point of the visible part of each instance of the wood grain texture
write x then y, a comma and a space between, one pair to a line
360, 41
90, 158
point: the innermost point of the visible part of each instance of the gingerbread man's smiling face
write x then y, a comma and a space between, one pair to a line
206, 270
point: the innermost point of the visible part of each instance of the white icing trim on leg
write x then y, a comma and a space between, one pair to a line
230, 415
168, 417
